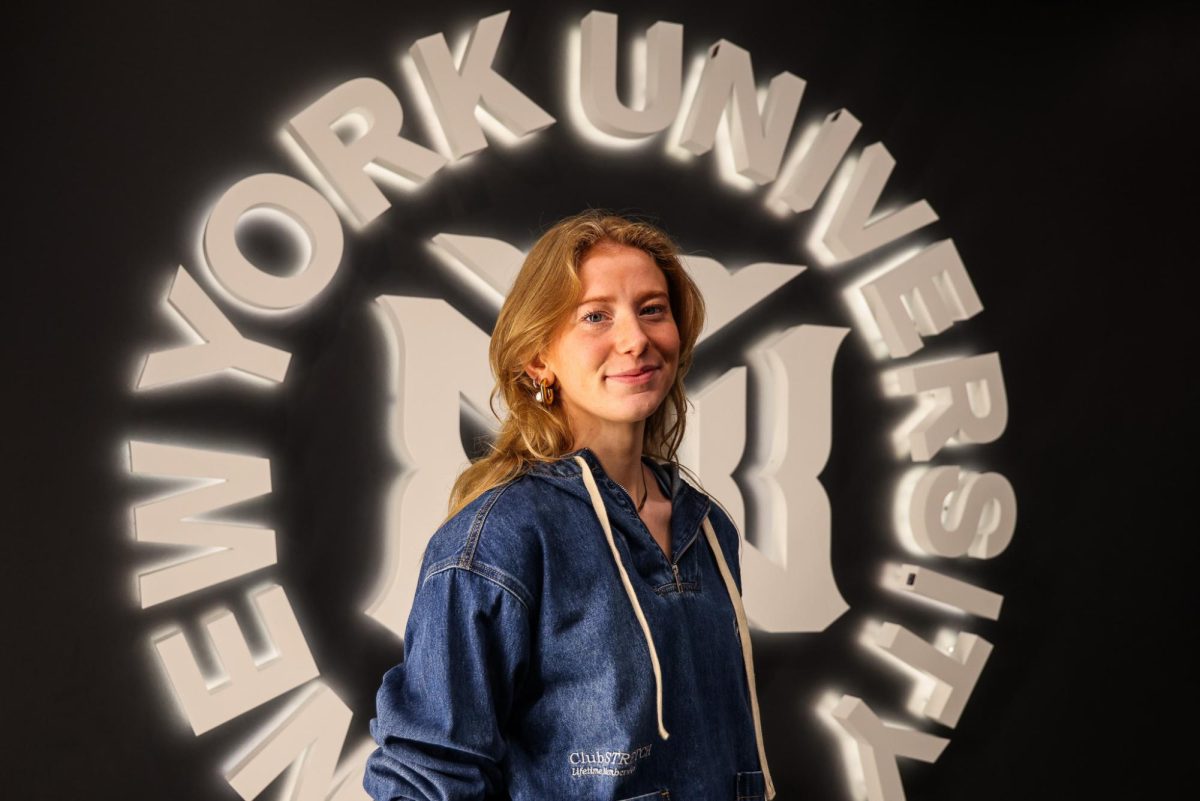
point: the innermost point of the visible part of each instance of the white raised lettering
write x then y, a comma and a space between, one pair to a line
296, 209
232, 550
221, 346
757, 138
378, 148
845, 228
455, 92
963, 402
663, 78
921, 296
247, 682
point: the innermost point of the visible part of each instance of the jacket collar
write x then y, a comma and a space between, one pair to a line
566, 465
688, 504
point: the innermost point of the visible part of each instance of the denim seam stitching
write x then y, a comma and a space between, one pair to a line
556, 477
500, 577
691, 539
669, 587
467, 557
440, 565
473, 568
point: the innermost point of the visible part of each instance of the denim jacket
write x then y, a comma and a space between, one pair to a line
554, 652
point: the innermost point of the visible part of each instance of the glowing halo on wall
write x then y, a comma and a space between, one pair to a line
348, 143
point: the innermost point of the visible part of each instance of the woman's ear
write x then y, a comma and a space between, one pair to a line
537, 369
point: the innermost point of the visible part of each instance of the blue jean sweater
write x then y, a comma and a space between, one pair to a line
554, 651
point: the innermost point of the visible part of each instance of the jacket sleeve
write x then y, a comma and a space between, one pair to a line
441, 714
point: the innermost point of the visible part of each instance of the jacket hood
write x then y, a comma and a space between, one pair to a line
584, 465
689, 505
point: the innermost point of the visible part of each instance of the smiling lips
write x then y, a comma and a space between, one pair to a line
635, 376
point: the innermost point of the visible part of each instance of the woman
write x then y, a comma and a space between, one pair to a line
578, 632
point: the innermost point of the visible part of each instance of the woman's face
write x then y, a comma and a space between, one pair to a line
623, 324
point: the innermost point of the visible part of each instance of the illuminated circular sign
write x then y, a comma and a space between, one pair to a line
349, 143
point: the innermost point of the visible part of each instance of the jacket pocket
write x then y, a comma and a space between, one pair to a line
657, 795
751, 786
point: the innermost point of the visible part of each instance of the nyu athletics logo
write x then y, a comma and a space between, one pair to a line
348, 143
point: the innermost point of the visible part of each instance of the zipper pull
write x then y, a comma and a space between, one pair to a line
678, 583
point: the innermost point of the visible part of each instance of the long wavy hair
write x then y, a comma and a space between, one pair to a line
546, 290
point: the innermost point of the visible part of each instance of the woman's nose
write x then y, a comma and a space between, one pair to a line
630, 334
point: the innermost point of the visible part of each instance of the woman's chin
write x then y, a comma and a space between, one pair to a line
637, 409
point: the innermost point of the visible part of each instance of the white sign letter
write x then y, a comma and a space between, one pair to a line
455, 92
758, 138
232, 549
848, 232
598, 77
807, 172
379, 144
302, 213
926, 584
425, 434
946, 675
790, 584
222, 346
313, 732
950, 515
921, 296
965, 400
247, 682
879, 745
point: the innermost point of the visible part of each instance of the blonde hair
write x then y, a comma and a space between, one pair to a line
545, 291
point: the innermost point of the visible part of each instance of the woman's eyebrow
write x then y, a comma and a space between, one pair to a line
657, 293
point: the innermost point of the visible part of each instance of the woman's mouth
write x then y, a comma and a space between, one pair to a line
635, 378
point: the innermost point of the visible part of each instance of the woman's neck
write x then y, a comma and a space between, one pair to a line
620, 455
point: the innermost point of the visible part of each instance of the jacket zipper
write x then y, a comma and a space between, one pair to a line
674, 561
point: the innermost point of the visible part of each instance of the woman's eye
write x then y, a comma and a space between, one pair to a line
656, 308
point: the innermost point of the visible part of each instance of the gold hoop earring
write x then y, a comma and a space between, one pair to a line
545, 394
